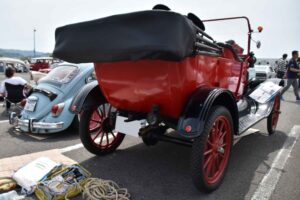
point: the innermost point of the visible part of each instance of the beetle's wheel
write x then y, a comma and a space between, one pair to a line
274, 116
96, 130
211, 150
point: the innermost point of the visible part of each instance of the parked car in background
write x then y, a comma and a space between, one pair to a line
35, 76
41, 63
47, 109
17, 64
264, 72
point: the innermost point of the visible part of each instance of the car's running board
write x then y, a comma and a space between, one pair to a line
251, 119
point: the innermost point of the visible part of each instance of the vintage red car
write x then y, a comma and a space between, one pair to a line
160, 70
43, 64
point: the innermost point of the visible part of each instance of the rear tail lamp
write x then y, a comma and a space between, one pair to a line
23, 102
56, 109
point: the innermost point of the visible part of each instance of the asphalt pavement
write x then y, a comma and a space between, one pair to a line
162, 171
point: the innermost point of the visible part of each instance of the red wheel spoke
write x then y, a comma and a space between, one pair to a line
104, 113
100, 131
109, 110
208, 152
222, 126
222, 135
213, 166
217, 162
209, 142
207, 162
107, 140
96, 121
99, 115
209, 167
223, 145
213, 135
113, 135
102, 136
218, 125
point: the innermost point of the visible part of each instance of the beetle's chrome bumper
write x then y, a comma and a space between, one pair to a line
31, 124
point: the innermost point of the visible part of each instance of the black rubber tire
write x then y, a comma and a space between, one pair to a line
270, 129
198, 149
85, 138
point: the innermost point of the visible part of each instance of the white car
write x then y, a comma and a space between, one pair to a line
264, 72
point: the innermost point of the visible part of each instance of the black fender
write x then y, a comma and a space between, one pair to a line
198, 108
90, 95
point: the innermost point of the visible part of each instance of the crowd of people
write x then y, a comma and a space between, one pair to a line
290, 70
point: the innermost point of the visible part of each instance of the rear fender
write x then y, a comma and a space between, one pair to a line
198, 108
89, 96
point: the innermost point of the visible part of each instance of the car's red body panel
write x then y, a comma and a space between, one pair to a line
138, 85
39, 65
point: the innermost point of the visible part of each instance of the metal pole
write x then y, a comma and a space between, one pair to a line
34, 30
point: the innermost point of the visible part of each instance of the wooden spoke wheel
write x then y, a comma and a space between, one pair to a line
96, 130
211, 150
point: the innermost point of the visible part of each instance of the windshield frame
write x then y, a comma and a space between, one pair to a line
250, 31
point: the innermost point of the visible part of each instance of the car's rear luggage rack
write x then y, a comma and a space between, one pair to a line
205, 44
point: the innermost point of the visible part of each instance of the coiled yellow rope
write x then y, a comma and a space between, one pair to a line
99, 189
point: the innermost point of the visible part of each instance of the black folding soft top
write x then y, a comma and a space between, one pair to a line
153, 34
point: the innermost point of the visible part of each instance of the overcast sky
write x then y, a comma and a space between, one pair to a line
279, 18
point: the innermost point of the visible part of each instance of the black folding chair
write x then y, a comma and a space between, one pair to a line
14, 95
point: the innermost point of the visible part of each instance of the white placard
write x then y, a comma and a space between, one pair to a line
265, 91
129, 128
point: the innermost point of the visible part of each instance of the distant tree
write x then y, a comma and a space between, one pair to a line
25, 58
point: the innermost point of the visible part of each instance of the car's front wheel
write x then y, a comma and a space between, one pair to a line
96, 130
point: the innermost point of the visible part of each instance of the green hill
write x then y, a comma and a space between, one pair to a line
15, 53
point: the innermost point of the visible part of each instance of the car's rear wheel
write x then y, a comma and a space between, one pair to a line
211, 150
274, 116
96, 130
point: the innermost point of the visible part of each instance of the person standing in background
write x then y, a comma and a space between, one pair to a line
281, 66
292, 75
298, 61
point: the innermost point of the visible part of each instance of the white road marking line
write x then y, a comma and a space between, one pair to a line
270, 180
71, 148
79, 145
4, 121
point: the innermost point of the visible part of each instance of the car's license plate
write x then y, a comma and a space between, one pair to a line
30, 105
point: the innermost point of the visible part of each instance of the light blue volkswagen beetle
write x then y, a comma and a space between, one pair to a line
47, 109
